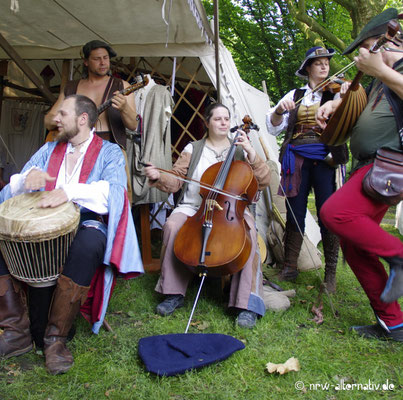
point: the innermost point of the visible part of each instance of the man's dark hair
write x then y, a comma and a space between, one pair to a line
85, 105
96, 44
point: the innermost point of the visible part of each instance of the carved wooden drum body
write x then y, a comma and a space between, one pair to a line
35, 241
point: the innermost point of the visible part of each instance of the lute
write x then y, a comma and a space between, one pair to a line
50, 137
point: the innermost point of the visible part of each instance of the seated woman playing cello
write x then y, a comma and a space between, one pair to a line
246, 285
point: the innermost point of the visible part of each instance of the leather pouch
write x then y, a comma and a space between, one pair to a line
384, 181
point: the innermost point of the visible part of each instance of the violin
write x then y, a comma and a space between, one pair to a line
331, 84
216, 237
334, 85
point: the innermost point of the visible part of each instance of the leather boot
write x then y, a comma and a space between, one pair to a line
15, 338
67, 299
292, 247
331, 251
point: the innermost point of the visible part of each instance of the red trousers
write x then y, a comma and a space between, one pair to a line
356, 219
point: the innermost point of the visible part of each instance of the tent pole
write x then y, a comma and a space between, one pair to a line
217, 52
26, 69
3, 73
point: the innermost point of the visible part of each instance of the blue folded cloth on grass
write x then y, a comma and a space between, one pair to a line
174, 354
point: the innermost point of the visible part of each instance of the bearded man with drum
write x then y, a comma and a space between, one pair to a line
83, 168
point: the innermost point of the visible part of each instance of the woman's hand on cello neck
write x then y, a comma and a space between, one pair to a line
245, 143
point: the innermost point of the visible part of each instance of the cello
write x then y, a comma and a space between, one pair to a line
216, 239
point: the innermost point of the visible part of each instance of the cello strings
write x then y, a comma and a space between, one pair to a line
202, 185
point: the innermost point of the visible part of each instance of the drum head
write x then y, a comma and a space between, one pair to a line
21, 219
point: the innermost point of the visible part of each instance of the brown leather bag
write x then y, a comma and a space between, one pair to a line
384, 181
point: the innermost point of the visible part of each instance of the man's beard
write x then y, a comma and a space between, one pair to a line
65, 136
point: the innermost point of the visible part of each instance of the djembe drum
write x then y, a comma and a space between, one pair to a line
35, 241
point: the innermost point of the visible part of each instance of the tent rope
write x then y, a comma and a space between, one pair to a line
15, 6
166, 20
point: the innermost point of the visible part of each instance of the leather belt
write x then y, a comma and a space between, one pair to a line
302, 129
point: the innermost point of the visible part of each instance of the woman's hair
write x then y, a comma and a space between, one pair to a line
208, 113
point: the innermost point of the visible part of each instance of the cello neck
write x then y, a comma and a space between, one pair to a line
226, 165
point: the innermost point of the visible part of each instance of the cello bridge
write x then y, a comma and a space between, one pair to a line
211, 204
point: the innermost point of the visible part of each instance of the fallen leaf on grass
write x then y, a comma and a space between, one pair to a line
204, 325
200, 325
14, 372
292, 364
317, 311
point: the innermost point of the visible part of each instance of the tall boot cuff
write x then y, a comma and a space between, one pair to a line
4, 285
78, 293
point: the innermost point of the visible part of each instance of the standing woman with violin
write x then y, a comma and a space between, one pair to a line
306, 163
353, 215
246, 285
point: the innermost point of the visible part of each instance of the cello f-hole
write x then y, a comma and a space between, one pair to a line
227, 216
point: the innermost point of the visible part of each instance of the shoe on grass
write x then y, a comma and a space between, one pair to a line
377, 332
246, 319
170, 304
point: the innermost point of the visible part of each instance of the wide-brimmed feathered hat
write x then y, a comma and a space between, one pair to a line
313, 52
375, 27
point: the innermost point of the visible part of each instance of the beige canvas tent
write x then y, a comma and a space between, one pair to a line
170, 39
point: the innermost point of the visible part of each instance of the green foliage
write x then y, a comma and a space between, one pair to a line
268, 42
264, 41
395, 4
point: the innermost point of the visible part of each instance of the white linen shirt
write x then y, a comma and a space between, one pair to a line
310, 99
93, 196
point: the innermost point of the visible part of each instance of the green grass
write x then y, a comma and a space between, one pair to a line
107, 366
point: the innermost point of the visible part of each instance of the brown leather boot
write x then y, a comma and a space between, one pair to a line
292, 246
15, 338
66, 303
331, 251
